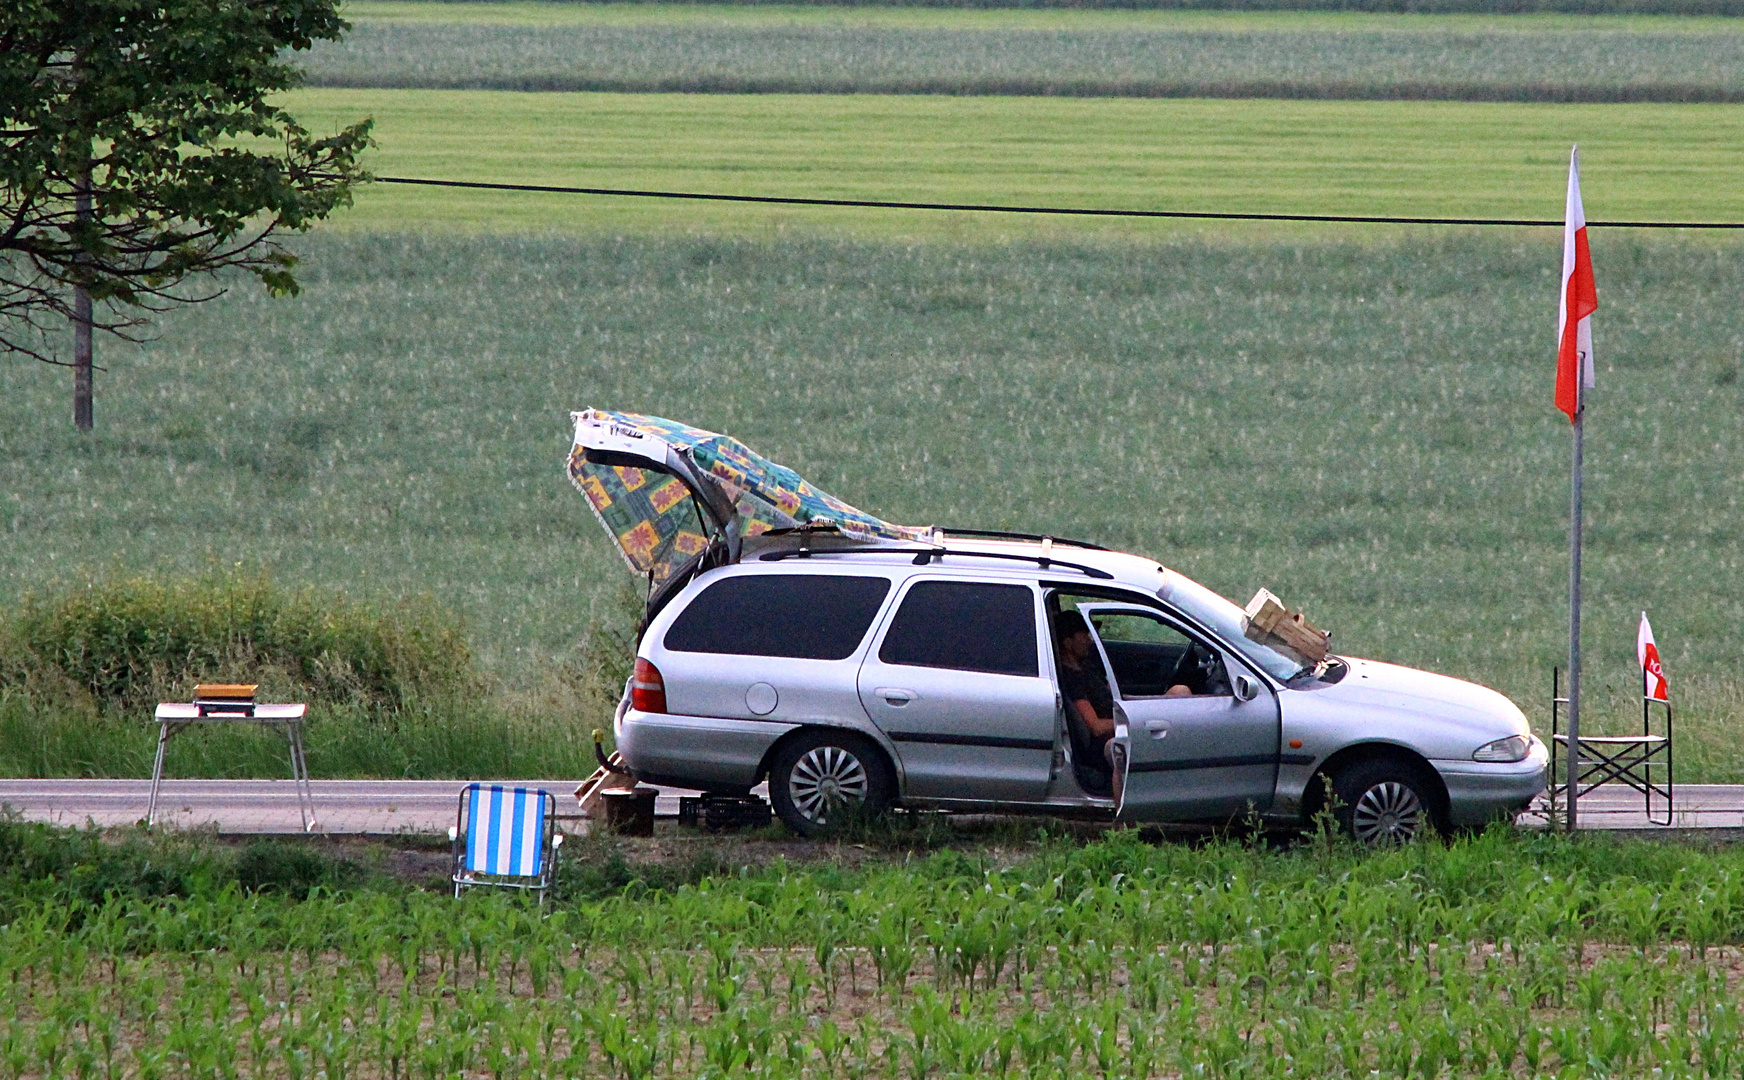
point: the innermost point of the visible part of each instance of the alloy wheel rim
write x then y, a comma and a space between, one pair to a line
825, 778
1387, 812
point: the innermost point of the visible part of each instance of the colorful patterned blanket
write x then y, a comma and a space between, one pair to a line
652, 514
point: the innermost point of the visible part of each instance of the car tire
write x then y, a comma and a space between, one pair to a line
821, 771
1383, 800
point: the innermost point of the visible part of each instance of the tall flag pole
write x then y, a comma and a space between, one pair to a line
1574, 374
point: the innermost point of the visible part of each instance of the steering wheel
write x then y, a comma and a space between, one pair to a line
1197, 669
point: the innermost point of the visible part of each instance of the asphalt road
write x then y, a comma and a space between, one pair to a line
385, 807
267, 806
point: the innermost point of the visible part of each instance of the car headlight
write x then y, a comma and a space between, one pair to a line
1513, 748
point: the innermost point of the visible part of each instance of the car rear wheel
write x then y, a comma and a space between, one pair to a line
820, 774
1384, 801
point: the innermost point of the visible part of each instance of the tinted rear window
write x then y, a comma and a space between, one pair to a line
949, 624
810, 617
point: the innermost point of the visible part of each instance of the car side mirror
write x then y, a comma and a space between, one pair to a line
1245, 688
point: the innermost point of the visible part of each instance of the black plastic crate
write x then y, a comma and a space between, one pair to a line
722, 813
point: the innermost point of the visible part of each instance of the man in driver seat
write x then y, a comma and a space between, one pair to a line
1089, 702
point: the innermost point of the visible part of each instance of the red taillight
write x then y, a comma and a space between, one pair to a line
647, 688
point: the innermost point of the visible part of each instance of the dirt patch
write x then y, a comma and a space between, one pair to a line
678, 855
996, 841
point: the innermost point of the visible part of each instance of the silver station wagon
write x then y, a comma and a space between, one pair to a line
792, 638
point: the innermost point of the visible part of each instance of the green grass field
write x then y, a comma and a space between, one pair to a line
1673, 162
1355, 417
1365, 429
1077, 53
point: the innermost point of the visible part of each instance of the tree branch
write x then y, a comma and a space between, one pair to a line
145, 80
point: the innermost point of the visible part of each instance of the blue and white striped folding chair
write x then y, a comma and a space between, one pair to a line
505, 837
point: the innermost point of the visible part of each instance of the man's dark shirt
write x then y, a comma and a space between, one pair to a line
1088, 683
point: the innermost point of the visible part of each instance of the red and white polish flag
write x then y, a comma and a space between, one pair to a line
1653, 684
1579, 299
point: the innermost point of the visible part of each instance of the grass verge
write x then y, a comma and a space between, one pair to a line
393, 690
128, 642
81, 868
497, 735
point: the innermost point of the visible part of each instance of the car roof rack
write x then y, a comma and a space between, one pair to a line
993, 534
923, 556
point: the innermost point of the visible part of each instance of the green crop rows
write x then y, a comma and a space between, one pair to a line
1493, 63
1493, 957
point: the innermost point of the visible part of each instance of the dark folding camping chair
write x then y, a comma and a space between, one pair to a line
1642, 761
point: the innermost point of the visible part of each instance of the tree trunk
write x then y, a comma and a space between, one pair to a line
82, 412
82, 417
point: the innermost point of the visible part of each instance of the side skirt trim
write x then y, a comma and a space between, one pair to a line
994, 741
1202, 763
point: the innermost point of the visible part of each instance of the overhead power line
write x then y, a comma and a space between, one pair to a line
1075, 211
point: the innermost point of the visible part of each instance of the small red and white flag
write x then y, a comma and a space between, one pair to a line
1653, 684
1579, 299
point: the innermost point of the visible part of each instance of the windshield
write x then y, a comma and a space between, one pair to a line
1229, 621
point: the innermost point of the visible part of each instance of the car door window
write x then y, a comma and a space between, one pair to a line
966, 627
1148, 657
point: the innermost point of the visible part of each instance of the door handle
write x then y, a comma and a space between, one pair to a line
894, 697
1157, 728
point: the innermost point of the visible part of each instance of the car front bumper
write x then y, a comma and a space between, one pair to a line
1479, 792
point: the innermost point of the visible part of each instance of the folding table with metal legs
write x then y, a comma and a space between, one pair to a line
175, 716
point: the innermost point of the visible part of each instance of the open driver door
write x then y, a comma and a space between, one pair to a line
1206, 752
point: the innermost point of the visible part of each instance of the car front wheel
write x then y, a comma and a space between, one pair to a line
818, 775
1382, 801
